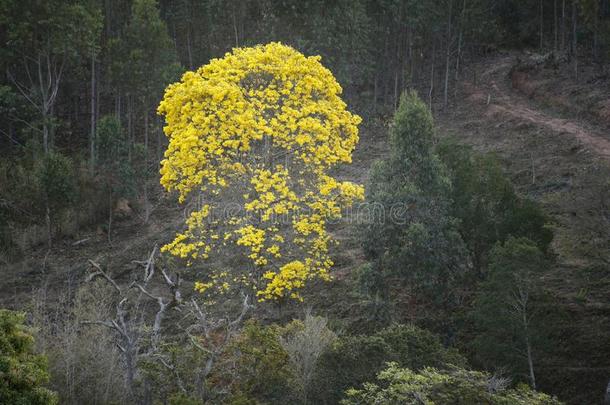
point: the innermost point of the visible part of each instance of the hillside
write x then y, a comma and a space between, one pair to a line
304, 202
559, 157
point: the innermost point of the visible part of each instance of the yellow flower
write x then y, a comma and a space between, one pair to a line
261, 127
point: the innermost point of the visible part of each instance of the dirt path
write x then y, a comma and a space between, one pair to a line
494, 90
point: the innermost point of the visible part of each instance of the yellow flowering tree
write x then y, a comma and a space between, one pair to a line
260, 129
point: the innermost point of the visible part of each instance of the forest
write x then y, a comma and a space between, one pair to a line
354, 202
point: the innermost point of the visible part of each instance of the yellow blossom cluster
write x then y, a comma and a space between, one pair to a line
260, 127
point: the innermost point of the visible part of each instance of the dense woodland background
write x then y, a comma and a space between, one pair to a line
507, 270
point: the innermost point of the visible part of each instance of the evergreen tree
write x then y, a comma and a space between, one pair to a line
415, 239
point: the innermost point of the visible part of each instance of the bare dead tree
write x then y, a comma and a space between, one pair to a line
139, 332
129, 322
45, 79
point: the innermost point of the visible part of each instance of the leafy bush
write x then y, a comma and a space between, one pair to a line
402, 386
353, 360
262, 367
22, 372
57, 181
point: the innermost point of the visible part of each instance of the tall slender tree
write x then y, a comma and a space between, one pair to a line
42, 47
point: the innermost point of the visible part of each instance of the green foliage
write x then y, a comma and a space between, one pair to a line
452, 386
57, 182
412, 140
18, 202
262, 366
339, 31
485, 202
22, 372
353, 360
182, 399
507, 311
144, 59
113, 156
54, 28
111, 144
415, 238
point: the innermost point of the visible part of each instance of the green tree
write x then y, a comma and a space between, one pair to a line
353, 360
398, 385
115, 169
263, 370
510, 327
143, 61
22, 372
415, 238
485, 202
43, 38
57, 185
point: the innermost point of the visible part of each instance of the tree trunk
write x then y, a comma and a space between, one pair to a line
386, 56
596, 32
92, 128
448, 56
530, 361
459, 44
574, 39
129, 126
555, 29
110, 201
396, 90
188, 46
563, 25
375, 89
145, 130
541, 24
235, 26
528, 348
145, 179
45, 133
523, 308
47, 218
431, 91
117, 109
411, 56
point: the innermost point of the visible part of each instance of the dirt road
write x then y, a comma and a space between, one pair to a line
493, 90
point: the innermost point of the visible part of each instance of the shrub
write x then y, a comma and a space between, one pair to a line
22, 372
453, 386
353, 360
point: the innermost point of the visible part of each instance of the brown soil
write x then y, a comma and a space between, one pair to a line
497, 99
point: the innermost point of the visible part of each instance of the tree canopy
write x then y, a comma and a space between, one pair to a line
263, 126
